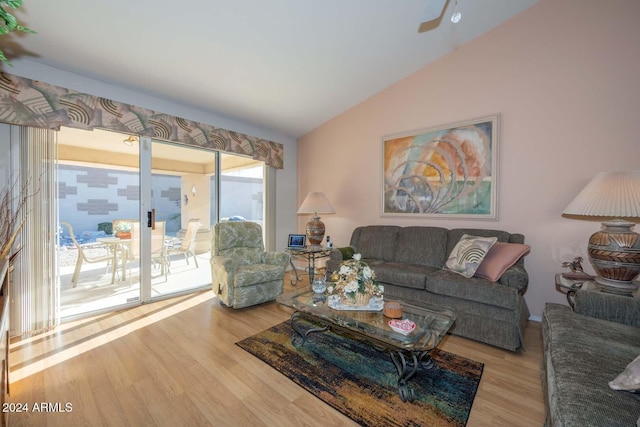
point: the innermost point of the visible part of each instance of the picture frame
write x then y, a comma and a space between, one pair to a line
297, 241
449, 171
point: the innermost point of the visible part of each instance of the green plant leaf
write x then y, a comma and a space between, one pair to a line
14, 4
25, 29
9, 19
4, 59
9, 23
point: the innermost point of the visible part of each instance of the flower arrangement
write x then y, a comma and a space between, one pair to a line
355, 282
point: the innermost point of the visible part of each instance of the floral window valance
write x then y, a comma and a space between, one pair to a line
33, 103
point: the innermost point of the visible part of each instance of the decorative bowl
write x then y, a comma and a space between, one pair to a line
404, 327
392, 309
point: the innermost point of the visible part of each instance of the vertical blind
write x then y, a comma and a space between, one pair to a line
35, 294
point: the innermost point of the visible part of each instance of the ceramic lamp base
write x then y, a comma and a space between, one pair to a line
315, 231
615, 287
615, 256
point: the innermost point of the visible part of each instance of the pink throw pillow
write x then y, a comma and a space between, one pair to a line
500, 257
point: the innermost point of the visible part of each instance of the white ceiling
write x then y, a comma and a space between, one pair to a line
283, 65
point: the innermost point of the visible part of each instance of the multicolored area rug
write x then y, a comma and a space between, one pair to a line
361, 382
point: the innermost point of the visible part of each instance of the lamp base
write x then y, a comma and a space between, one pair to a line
615, 256
315, 231
616, 287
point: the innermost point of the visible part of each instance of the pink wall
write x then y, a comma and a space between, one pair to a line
565, 78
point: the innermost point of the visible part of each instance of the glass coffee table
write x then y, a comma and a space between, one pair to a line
407, 352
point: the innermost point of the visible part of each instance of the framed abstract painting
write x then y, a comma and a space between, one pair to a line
449, 171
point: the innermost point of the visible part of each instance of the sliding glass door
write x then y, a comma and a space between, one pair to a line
181, 207
136, 216
98, 205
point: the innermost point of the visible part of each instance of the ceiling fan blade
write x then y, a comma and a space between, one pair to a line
432, 10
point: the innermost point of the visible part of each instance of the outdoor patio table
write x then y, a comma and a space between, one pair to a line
116, 244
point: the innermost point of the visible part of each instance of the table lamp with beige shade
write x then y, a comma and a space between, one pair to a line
614, 251
315, 203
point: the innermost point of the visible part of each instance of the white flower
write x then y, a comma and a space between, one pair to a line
351, 287
344, 269
357, 257
366, 272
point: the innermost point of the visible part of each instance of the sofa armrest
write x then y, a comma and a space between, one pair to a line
611, 307
340, 254
515, 277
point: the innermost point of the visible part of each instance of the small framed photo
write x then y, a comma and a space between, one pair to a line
297, 241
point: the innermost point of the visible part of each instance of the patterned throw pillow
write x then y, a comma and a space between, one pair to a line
469, 253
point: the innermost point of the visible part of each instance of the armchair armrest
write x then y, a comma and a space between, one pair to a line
222, 274
225, 263
601, 305
276, 258
94, 245
515, 277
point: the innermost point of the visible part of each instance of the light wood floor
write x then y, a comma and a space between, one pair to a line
175, 363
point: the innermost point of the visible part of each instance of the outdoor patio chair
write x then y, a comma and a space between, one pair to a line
187, 245
158, 247
85, 255
242, 273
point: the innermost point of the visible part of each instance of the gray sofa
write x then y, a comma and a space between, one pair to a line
409, 262
584, 350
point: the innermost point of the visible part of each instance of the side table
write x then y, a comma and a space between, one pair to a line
571, 286
309, 254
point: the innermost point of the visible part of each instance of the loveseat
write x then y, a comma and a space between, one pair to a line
410, 263
584, 350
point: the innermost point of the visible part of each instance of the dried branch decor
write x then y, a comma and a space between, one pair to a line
12, 216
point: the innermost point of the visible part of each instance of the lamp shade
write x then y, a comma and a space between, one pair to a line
609, 194
316, 202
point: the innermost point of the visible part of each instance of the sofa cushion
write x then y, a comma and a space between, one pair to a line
422, 246
248, 275
449, 283
500, 257
405, 275
376, 241
468, 253
456, 233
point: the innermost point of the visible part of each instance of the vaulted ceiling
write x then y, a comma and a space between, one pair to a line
282, 65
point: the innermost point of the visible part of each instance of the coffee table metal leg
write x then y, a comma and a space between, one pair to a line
299, 336
407, 370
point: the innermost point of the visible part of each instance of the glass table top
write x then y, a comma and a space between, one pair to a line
432, 323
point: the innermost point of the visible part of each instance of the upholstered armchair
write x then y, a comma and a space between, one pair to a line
242, 273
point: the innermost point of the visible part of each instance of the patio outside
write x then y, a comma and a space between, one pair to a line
99, 198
